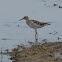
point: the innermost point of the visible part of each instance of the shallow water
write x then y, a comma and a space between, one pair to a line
5, 58
14, 32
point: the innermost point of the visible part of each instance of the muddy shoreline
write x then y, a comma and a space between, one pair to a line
51, 52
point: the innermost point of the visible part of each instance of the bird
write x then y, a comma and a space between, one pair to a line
35, 25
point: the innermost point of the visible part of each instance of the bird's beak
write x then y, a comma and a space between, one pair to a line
21, 19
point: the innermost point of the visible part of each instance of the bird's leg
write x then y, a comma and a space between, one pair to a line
36, 35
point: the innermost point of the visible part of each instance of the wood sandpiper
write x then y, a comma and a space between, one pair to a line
35, 24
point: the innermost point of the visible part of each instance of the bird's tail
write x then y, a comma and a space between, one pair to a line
48, 23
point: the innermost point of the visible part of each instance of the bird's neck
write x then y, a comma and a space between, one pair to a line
27, 21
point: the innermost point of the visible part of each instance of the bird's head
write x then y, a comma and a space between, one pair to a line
25, 18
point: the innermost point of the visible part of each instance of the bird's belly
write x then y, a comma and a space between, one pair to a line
33, 25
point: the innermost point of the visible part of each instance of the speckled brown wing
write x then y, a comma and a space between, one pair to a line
41, 23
